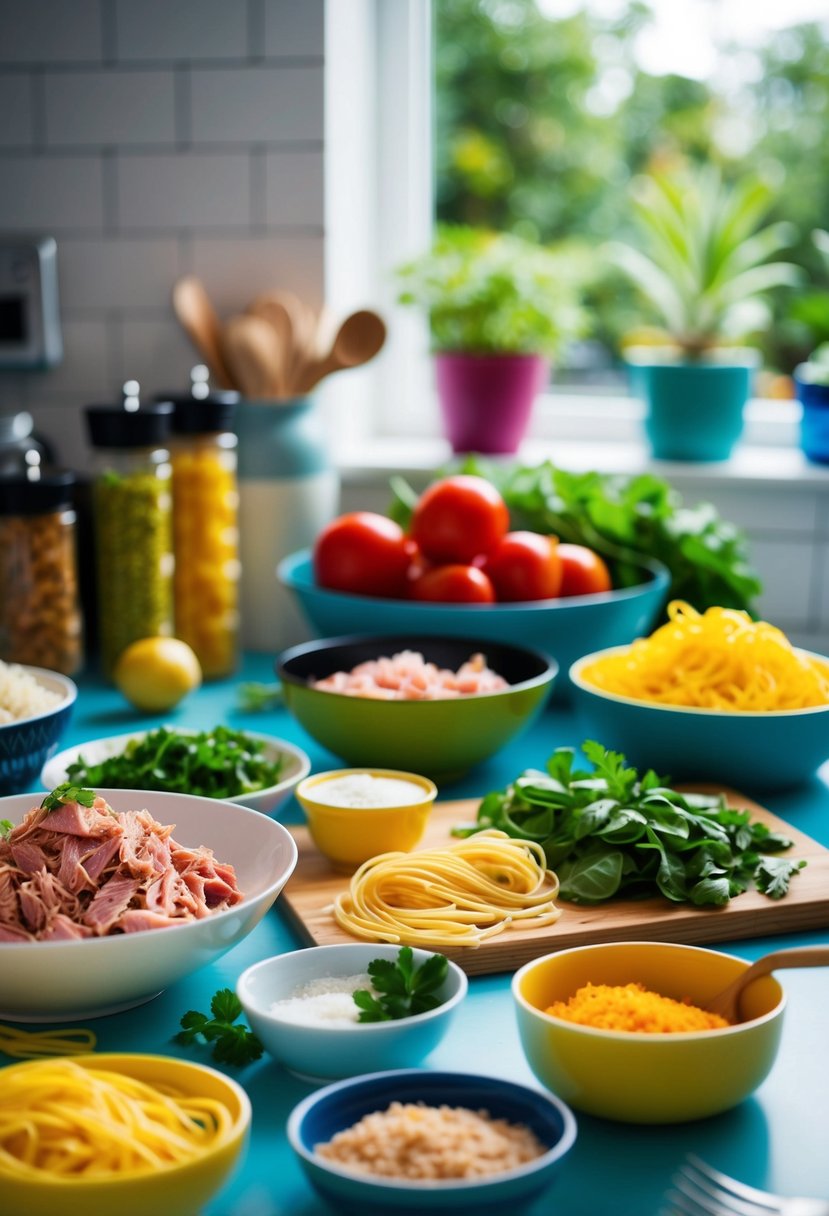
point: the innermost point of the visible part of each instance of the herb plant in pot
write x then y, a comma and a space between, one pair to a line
705, 269
499, 308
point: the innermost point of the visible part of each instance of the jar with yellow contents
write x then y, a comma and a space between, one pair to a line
205, 529
132, 506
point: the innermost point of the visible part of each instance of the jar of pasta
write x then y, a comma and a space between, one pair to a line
40, 617
132, 507
205, 529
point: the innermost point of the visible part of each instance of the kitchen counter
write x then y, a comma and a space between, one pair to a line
775, 1140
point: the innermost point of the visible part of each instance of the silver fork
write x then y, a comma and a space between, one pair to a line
700, 1190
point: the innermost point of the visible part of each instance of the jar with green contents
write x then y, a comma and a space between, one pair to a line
132, 505
205, 527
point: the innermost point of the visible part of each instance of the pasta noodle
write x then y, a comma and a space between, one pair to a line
720, 659
456, 896
61, 1118
31, 1044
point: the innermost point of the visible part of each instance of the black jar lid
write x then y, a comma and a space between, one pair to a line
208, 415
113, 426
51, 491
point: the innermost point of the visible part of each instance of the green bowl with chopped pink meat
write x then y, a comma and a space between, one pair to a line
428, 705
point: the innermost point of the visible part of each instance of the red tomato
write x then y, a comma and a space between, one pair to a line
453, 585
583, 572
525, 566
362, 553
458, 518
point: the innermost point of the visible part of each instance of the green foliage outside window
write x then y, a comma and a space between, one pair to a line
542, 124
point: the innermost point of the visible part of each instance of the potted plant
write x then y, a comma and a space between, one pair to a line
499, 308
812, 383
705, 268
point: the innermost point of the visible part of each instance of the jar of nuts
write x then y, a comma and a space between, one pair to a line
132, 507
40, 617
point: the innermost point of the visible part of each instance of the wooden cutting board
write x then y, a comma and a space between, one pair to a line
314, 884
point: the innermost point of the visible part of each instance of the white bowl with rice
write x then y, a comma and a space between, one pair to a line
35, 709
301, 1006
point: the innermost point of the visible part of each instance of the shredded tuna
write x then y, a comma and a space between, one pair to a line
408, 677
90, 871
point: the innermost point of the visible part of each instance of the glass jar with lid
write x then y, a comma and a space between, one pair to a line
132, 506
205, 527
40, 616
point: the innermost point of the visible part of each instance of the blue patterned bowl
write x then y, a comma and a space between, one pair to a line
26, 745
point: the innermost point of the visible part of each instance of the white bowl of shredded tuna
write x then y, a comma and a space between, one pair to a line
104, 905
35, 709
302, 1008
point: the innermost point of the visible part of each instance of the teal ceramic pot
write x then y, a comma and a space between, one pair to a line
694, 411
749, 751
564, 628
333, 1109
440, 739
814, 422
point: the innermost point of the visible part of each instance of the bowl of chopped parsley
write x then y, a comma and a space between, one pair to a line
256, 770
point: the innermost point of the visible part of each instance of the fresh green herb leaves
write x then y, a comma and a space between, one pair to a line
403, 989
232, 1043
625, 519
255, 697
67, 792
219, 763
612, 832
6, 828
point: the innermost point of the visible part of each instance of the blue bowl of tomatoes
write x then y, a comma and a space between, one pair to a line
459, 571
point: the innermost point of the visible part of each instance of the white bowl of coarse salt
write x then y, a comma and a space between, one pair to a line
301, 1006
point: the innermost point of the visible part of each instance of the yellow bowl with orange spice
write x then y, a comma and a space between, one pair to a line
663, 1071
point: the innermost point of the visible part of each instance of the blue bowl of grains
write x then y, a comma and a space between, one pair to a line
419, 1141
35, 708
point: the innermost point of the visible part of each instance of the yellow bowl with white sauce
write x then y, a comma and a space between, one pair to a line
357, 813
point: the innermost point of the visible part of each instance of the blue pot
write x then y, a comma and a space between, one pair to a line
814, 423
694, 410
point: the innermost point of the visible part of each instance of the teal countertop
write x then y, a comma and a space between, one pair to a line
775, 1140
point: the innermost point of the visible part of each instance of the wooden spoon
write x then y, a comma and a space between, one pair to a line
727, 1002
253, 354
192, 306
358, 339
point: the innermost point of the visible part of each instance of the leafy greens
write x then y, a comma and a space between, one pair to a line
625, 519
610, 832
219, 763
232, 1043
403, 989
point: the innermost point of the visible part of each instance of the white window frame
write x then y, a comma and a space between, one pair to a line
379, 213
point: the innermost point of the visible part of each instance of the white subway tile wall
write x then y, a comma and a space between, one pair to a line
154, 139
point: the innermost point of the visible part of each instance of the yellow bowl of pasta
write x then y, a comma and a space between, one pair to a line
712, 696
117, 1135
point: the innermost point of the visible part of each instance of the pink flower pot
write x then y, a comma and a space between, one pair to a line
487, 399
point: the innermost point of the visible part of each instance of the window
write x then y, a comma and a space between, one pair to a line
541, 112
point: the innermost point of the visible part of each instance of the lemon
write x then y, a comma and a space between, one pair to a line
155, 673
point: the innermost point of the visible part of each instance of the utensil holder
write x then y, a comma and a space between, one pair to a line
288, 491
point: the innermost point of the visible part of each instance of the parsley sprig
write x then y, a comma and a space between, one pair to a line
403, 989
67, 792
232, 1043
6, 828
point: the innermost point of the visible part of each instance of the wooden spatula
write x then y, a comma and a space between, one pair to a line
192, 306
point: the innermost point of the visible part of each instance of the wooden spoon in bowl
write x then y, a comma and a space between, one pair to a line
727, 1002
358, 339
192, 306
